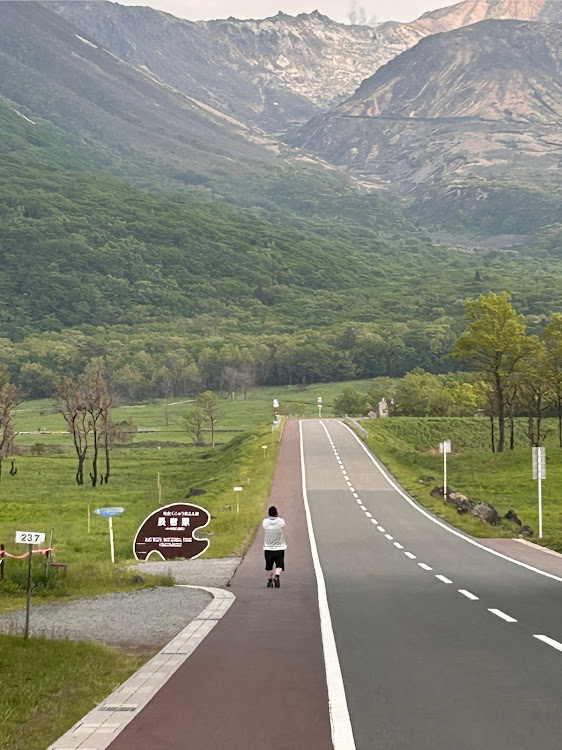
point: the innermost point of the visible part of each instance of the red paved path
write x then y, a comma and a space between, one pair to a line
258, 680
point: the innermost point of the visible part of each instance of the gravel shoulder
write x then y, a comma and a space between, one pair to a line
215, 573
140, 618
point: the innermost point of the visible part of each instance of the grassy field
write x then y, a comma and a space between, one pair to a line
409, 447
47, 686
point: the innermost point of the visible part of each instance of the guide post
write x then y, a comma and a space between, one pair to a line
539, 473
444, 448
30, 538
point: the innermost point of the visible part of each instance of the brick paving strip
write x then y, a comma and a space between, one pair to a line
98, 728
258, 680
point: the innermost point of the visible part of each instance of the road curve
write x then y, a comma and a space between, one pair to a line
442, 645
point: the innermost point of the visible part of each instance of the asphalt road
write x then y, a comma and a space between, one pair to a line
436, 637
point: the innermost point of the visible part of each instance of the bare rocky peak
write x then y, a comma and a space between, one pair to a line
275, 72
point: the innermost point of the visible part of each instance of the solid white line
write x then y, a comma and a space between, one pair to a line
468, 595
389, 537
424, 566
398, 545
501, 614
369, 515
443, 525
443, 578
380, 528
342, 732
550, 641
409, 554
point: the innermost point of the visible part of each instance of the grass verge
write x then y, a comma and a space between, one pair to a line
46, 686
408, 446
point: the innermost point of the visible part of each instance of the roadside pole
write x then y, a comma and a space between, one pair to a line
539, 473
444, 448
319, 407
28, 596
110, 513
237, 491
111, 539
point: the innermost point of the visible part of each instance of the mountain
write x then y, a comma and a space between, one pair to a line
465, 126
279, 71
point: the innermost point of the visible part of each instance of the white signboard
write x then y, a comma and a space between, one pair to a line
238, 489
539, 463
275, 403
319, 400
445, 446
29, 537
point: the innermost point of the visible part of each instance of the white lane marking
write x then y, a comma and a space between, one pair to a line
355, 494
388, 536
352, 489
424, 566
369, 515
363, 507
380, 528
503, 616
374, 520
550, 641
359, 501
342, 732
398, 545
410, 555
468, 595
348, 483
443, 525
443, 578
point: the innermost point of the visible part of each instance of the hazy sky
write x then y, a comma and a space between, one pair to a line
383, 10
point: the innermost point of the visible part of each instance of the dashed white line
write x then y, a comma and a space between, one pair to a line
355, 494
468, 595
388, 536
424, 566
348, 483
369, 515
410, 555
444, 579
359, 501
363, 507
352, 489
380, 528
549, 641
503, 616
374, 520
398, 545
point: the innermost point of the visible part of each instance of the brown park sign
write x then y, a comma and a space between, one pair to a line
170, 532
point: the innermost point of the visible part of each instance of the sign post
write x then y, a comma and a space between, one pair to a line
264, 449
30, 538
237, 490
539, 473
444, 448
110, 513
319, 407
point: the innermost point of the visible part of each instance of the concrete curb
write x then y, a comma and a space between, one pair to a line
538, 547
98, 729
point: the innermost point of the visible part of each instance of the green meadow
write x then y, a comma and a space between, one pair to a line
408, 446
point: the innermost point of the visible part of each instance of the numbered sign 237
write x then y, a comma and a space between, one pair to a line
29, 537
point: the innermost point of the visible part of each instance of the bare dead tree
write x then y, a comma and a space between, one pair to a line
98, 402
70, 402
10, 397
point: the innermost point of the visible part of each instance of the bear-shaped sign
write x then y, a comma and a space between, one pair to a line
171, 532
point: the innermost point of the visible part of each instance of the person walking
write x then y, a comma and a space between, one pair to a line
274, 547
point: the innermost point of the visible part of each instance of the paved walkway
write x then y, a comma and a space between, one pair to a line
258, 680
528, 553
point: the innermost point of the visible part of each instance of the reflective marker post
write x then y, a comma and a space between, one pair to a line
539, 473
444, 448
237, 490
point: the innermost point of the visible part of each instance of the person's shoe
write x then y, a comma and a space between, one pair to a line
269, 583
277, 582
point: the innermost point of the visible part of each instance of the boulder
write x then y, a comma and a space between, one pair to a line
461, 502
194, 491
511, 515
486, 513
526, 531
438, 492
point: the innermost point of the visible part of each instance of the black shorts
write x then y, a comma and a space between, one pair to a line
274, 558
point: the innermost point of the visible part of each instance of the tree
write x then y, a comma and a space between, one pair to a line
351, 401
495, 345
97, 404
195, 424
10, 397
381, 387
209, 405
537, 393
71, 404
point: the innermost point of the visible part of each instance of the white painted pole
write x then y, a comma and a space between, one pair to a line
444, 471
111, 539
540, 498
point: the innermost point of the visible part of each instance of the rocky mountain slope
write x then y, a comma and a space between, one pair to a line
280, 71
467, 123
50, 71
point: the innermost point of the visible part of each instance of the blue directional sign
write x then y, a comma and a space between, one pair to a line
109, 512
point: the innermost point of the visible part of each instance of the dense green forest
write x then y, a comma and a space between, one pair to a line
319, 282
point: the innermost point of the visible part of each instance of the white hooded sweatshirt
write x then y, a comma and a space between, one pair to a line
274, 537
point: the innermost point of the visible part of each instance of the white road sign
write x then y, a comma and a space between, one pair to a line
29, 537
539, 463
445, 446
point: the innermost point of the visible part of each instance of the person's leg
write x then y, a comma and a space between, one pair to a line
269, 564
279, 567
